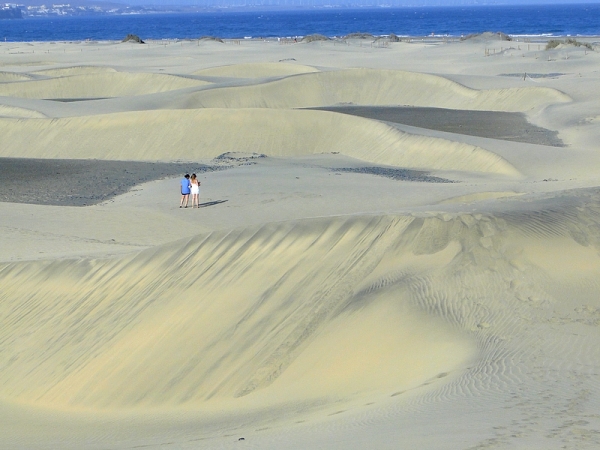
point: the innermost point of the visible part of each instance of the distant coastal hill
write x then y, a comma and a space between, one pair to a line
10, 13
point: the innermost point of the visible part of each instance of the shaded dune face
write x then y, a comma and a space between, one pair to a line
374, 87
329, 308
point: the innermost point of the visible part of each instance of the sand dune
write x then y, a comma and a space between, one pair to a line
264, 312
256, 70
97, 85
17, 112
311, 302
12, 76
374, 87
224, 316
205, 134
75, 70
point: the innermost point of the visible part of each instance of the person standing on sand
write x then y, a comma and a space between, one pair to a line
185, 190
195, 189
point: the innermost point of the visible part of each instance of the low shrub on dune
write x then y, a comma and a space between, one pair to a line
554, 43
315, 37
488, 35
359, 36
210, 38
133, 38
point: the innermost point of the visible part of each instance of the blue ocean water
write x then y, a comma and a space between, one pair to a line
554, 20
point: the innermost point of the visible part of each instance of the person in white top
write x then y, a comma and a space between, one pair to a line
195, 190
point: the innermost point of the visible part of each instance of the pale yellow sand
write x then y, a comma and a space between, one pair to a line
303, 306
15, 111
95, 85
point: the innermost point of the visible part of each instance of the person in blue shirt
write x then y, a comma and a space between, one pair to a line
185, 190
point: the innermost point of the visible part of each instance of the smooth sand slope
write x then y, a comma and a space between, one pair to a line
275, 288
256, 70
95, 85
323, 296
207, 133
15, 111
375, 87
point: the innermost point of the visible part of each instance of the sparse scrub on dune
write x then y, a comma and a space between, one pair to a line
359, 36
133, 38
315, 37
553, 43
210, 38
498, 35
389, 38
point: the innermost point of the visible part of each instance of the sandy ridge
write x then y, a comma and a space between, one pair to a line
96, 85
375, 87
256, 70
205, 134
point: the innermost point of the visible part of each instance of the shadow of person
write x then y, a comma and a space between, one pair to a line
207, 204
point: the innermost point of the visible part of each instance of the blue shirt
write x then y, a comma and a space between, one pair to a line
185, 186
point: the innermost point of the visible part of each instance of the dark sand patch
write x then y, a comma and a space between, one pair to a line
76, 182
72, 100
396, 174
489, 124
533, 75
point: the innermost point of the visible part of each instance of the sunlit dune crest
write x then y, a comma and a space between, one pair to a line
96, 85
376, 87
257, 70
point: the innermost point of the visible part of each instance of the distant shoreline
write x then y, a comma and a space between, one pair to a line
534, 39
520, 21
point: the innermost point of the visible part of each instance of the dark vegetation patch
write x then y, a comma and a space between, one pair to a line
240, 159
359, 36
487, 35
553, 43
387, 38
211, 38
315, 37
133, 38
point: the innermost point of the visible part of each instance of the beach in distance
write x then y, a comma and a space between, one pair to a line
396, 246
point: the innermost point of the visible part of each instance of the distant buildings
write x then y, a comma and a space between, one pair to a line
103, 7
15, 11
63, 9
10, 11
